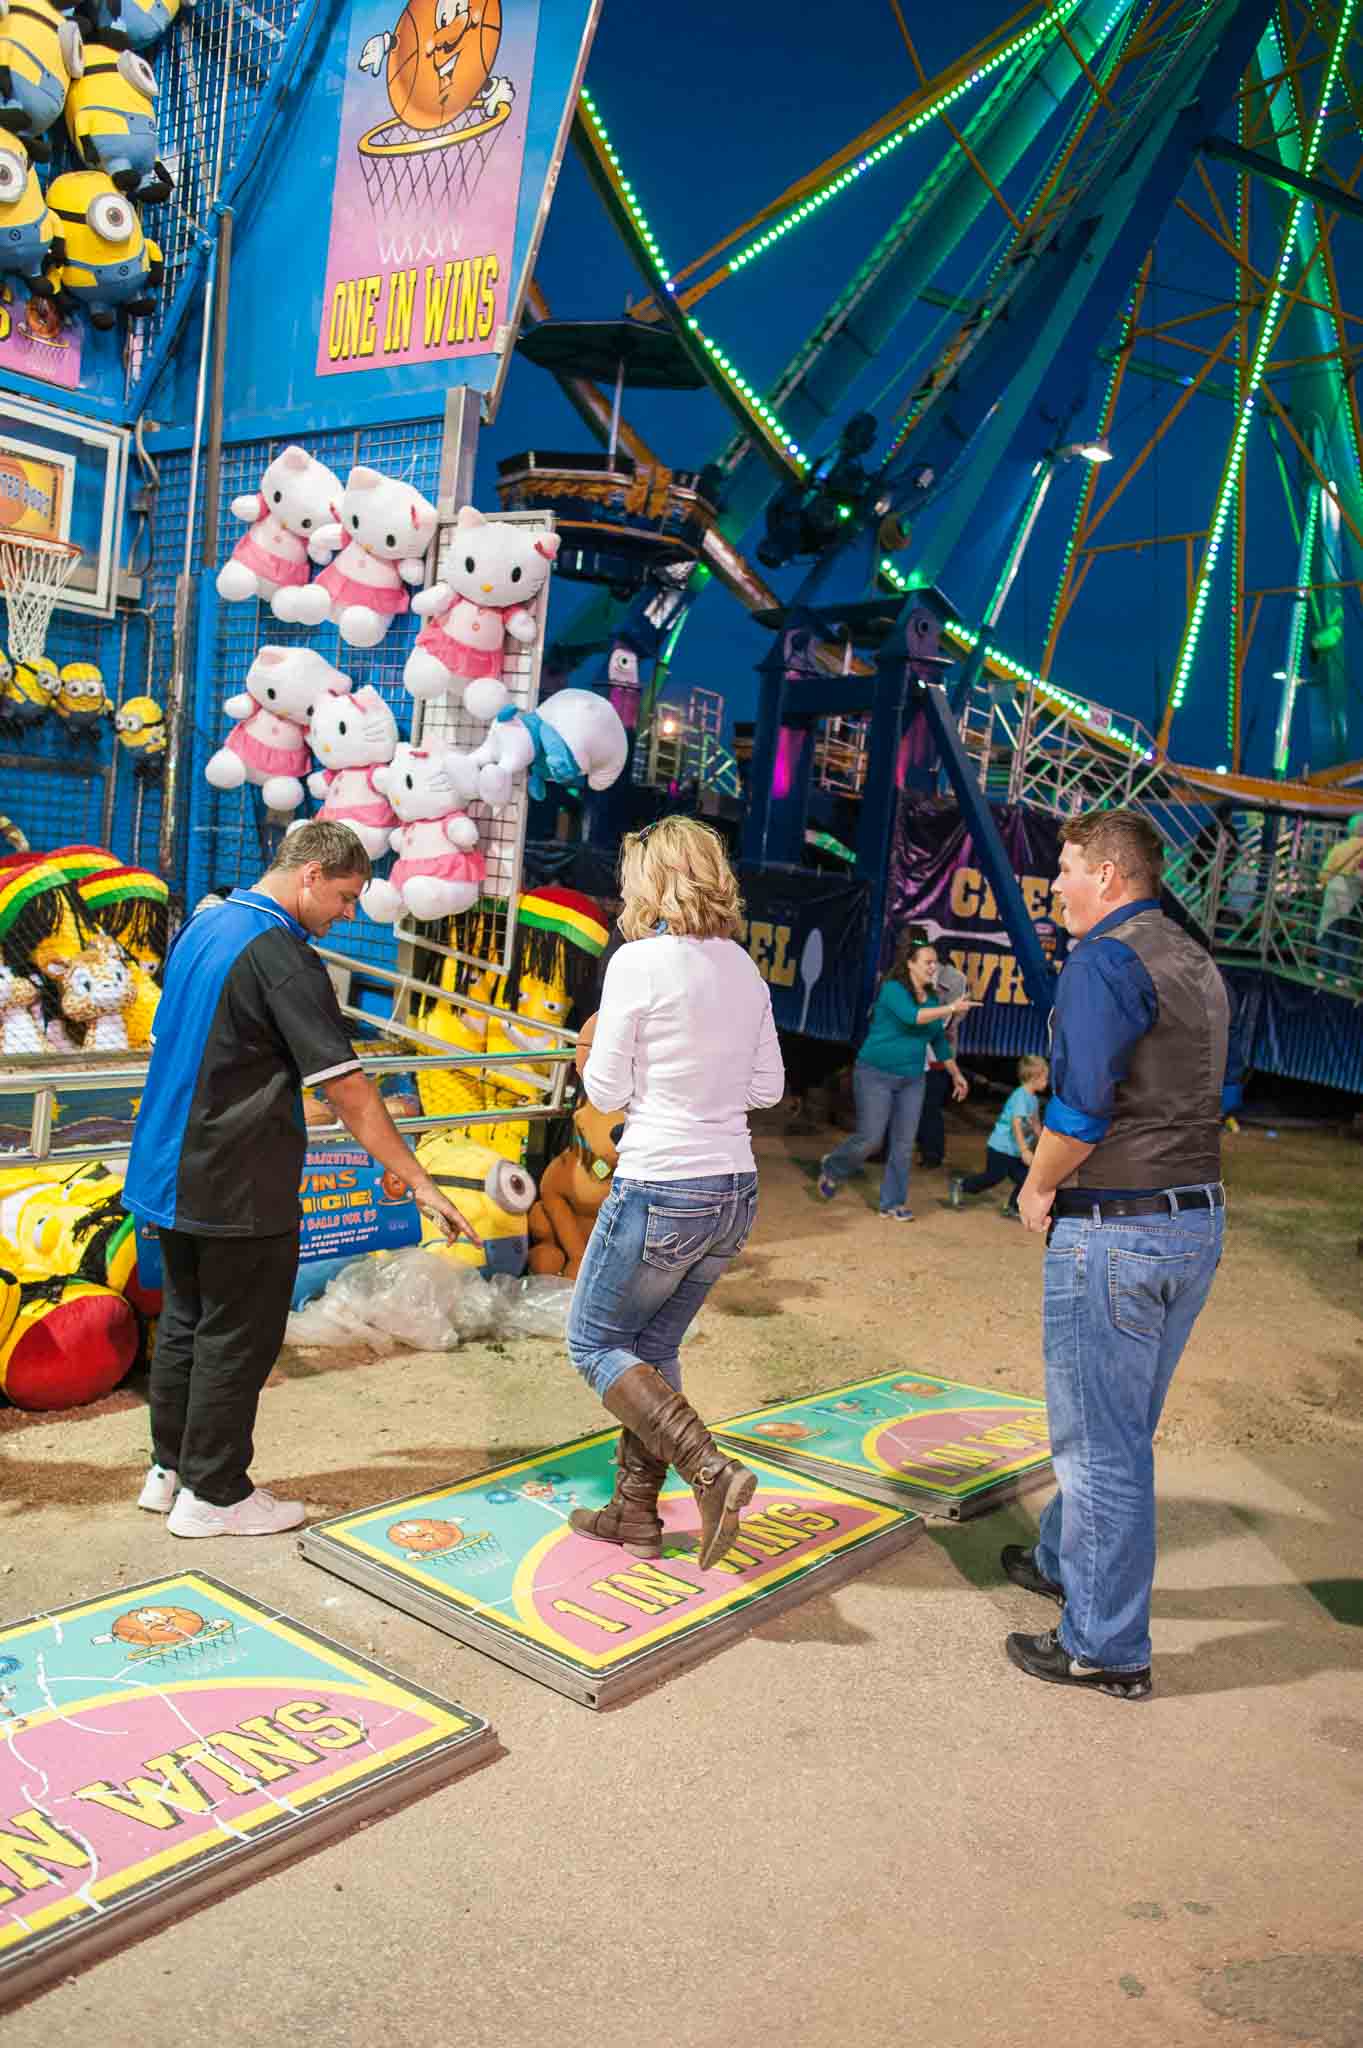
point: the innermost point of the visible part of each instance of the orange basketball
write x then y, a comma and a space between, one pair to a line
439, 61
158, 1625
13, 483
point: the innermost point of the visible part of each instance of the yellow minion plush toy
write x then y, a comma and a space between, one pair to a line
141, 727
40, 53
493, 1193
28, 225
24, 698
108, 265
83, 703
112, 123
130, 24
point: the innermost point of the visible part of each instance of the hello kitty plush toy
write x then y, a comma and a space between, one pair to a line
384, 530
269, 744
353, 738
297, 496
574, 738
496, 572
438, 871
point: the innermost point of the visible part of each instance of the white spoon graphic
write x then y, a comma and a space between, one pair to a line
811, 967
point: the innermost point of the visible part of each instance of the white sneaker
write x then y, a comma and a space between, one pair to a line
158, 1490
260, 1514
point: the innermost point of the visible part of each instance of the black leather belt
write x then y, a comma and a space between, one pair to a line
1075, 1202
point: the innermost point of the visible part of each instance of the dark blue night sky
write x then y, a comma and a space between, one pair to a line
714, 110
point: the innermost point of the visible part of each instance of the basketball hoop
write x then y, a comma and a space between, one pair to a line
419, 181
33, 572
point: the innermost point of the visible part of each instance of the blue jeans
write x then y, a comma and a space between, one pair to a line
885, 1102
1120, 1300
656, 1251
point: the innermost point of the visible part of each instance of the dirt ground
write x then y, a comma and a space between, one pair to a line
859, 1819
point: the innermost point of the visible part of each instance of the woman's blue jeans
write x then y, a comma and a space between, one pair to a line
1120, 1299
656, 1251
885, 1102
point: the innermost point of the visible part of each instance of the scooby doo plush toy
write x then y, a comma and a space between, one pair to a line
573, 1186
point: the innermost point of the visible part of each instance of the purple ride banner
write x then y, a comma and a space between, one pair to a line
936, 880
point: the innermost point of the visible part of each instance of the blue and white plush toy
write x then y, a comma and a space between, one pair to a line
574, 738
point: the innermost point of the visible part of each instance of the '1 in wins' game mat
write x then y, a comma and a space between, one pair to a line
493, 1561
937, 1445
160, 1742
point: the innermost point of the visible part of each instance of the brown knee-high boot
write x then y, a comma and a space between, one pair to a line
669, 1428
630, 1518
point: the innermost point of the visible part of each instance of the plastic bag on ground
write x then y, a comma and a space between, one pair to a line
431, 1303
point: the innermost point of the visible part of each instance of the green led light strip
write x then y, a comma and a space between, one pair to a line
752, 398
812, 203
964, 636
1283, 746
1104, 425
1237, 393
1245, 413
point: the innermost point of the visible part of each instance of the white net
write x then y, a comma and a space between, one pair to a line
420, 183
33, 572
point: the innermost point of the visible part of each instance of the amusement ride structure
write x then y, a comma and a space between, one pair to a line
1154, 205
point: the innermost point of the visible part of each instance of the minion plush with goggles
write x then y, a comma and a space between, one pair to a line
83, 703
129, 24
108, 265
40, 53
24, 697
28, 226
141, 728
493, 1193
112, 124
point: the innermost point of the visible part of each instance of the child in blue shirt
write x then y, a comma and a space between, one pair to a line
1009, 1151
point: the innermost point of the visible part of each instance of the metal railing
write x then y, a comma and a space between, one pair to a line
1252, 881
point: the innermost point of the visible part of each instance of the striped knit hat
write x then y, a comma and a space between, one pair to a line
131, 904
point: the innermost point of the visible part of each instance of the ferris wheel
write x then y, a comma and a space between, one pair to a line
1130, 245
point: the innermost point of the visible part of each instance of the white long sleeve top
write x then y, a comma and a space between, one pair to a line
685, 1041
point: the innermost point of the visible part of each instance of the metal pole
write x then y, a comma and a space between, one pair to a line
615, 412
184, 596
213, 456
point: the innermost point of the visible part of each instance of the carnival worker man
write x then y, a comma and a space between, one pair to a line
1126, 1181
247, 1019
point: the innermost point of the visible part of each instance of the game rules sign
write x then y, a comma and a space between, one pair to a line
423, 208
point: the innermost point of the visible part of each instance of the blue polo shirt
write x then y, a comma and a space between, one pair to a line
1105, 1002
247, 1019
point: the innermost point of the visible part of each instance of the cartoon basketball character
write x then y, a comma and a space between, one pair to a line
427, 1538
150, 1631
785, 1432
439, 60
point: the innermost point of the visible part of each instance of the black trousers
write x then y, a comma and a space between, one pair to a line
932, 1130
997, 1166
224, 1308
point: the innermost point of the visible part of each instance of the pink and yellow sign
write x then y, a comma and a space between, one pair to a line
38, 341
495, 1560
428, 170
174, 1729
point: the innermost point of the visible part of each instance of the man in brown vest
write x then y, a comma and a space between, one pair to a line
1126, 1182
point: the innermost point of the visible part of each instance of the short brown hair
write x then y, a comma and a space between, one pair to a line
1125, 838
676, 873
336, 849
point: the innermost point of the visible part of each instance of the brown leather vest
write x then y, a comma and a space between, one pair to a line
1166, 1127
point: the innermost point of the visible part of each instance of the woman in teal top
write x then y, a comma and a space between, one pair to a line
888, 1078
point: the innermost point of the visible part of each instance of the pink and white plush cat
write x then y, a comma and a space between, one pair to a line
439, 871
383, 530
297, 496
353, 738
269, 744
496, 571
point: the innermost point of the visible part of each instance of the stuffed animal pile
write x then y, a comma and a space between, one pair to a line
369, 542
81, 243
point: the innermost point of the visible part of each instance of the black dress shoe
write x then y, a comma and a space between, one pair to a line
1021, 1567
1046, 1657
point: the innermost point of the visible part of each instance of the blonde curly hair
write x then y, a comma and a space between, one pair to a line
676, 872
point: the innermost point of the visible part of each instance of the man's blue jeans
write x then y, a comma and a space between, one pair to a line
889, 1103
1121, 1297
657, 1249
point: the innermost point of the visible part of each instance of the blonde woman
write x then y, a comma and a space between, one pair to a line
684, 1040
